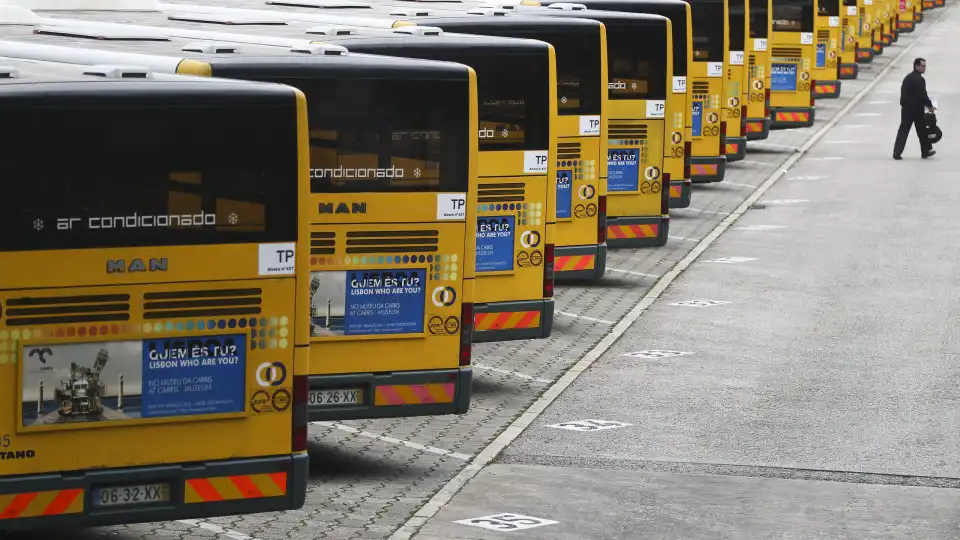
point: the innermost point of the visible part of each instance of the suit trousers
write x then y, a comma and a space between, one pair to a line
910, 118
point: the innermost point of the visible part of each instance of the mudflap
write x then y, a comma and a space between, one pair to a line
579, 263
792, 117
736, 149
512, 321
826, 89
681, 192
631, 232
757, 129
705, 170
395, 394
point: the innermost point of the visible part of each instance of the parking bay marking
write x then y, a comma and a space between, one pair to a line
506, 522
216, 529
700, 303
511, 373
655, 354
761, 227
394, 440
632, 273
589, 425
731, 260
584, 317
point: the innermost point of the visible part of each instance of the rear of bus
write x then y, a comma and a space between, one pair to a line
677, 129
882, 37
850, 25
516, 199
826, 71
163, 376
710, 35
791, 61
581, 51
758, 70
907, 15
865, 46
736, 85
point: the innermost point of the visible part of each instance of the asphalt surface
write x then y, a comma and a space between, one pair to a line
816, 403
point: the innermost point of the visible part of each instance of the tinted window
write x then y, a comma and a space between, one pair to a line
385, 135
514, 103
638, 61
578, 71
738, 22
793, 15
849, 2
707, 33
759, 14
678, 21
829, 8
109, 176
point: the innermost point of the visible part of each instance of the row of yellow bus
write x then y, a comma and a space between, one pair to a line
234, 218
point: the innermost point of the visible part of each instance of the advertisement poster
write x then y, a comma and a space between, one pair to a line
783, 77
821, 55
495, 243
564, 193
623, 166
367, 302
697, 118
123, 380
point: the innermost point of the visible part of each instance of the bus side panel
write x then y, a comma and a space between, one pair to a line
824, 73
865, 49
678, 134
735, 145
758, 80
849, 34
707, 163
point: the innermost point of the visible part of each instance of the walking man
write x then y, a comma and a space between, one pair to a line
913, 99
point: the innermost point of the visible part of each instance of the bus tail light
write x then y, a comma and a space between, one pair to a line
723, 138
301, 392
766, 103
466, 333
548, 271
687, 150
743, 120
601, 219
665, 195
813, 84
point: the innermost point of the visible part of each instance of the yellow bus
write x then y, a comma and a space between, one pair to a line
177, 206
710, 43
865, 46
760, 26
882, 36
736, 85
850, 31
826, 70
678, 131
907, 15
382, 129
791, 62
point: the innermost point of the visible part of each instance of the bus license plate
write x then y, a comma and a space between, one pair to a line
139, 494
353, 396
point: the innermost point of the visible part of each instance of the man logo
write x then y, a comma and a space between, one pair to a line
271, 374
587, 192
530, 239
444, 296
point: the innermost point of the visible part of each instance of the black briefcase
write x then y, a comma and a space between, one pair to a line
934, 133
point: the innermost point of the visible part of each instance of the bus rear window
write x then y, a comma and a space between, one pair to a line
680, 45
793, 15
387, 135
829, 9
759, 14
514, 100
102, 175
637, 61
738, 21
707, 32
578, 71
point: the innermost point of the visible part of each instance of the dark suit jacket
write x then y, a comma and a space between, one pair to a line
913, 93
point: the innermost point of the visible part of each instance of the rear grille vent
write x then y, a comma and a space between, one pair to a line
786, 53
393, 241
205, 303
823, 35
498, 193
568, 150
67, 309
323, 243
701, 88
752, 61
627, 130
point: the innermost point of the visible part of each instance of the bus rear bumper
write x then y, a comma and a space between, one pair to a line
792, 117
827, 89
511, 321
758, 128
889, 38
849, 71
630, 232
905, 26
196, 490
865, 56
394, 394
580, 263
878, 47
681, 192
736, 149
918, 17
704, 170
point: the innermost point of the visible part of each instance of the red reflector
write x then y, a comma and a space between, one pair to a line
601, 219
548, 271
687, 150
723, 137
301, 390
766, 103
665, 195
466, 333
813, 84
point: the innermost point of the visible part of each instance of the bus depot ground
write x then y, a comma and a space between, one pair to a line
816, 395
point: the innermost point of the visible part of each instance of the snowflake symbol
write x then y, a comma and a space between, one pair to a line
563, 99
505, 133
38, 224
633, 85
417, 173
233, 218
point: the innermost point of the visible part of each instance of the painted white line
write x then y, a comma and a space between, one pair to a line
584, 317
749, 162
508, 435
856, 126
843, 142
632, 273
761, 227
826, 158
394, 440
738, 184
868, 113
877, 102
706, 211
684, 238
516, 374
766, 145
216, 529
806, 178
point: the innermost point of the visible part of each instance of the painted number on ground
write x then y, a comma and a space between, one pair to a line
506, 522
589, 425
700, 303
656, 354
731, 260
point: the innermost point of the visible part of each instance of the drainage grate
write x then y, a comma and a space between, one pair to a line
757, 206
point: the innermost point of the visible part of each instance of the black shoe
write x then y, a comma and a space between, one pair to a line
897, 157
929, 154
